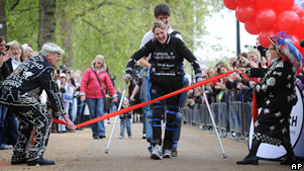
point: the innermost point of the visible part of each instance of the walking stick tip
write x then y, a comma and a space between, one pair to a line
225, 156
107, 151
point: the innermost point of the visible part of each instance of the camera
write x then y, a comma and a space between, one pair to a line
63, 67
218, 70
241, 61
262, 50
250, 46
234, 63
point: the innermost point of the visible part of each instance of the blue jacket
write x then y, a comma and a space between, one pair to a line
125, 115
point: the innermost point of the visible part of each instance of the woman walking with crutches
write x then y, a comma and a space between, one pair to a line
166, 75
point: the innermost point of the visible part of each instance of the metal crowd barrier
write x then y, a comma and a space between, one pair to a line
232, 118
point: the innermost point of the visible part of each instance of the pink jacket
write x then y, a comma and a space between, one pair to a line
90, 86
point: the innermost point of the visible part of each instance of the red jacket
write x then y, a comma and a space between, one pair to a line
91, 87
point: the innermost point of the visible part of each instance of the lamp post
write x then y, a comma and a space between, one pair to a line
238, 41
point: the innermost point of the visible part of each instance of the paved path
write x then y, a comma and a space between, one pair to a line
198, 150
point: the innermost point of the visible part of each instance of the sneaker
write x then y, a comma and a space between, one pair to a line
130, 137
167, 154
41, 161
121, 137
174, 152
156, 152
144, 136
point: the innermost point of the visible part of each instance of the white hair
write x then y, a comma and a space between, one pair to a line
13, 43
24, 46
49, 47
104, 65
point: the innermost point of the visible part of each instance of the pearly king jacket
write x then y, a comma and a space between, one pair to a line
276, 89
23, 87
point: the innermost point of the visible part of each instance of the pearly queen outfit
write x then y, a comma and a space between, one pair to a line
20, 93
276, 95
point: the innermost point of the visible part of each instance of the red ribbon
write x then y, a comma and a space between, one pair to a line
245, 76
89, 122
59, 121
5, 163
152, 101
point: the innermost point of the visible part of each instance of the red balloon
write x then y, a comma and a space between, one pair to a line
265, 3
283, 5
300, 31
245, 13
288, 21
298, 9
231, 4
266, 18
244, 2
264, 37
252, 27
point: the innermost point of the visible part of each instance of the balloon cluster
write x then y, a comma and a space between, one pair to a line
267, 17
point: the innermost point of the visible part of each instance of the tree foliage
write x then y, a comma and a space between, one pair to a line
113, 28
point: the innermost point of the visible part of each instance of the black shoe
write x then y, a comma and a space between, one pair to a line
96, 137
289, 161
41, 161
102, 136
249, 160
174, 152
23, 161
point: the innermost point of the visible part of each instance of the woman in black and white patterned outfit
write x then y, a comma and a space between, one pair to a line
276, 95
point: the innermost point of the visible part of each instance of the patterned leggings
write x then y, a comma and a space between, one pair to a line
31, 118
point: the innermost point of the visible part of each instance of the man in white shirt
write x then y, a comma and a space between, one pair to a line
162, 13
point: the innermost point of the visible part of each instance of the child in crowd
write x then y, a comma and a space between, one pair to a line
125, 120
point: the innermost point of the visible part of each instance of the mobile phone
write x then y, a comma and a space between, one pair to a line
7, 47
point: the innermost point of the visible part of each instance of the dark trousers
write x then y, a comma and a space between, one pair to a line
11, 128
158, 111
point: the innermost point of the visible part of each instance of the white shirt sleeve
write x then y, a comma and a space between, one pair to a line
148, 36
179, 36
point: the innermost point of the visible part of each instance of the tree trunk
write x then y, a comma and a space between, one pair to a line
47, 22
67, 40
2, 19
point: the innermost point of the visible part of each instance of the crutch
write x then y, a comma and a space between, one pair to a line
211, 116
120, 103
